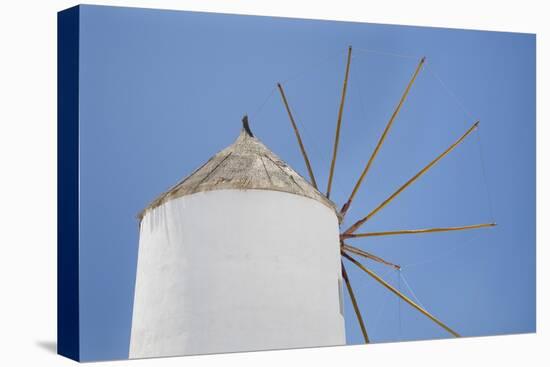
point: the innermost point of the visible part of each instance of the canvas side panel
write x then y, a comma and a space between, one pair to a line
67, 183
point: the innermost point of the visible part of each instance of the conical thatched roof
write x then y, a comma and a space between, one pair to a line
247, 164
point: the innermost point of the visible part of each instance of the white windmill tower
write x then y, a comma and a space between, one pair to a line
242, 255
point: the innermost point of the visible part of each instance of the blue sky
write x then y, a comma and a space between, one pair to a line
162, 91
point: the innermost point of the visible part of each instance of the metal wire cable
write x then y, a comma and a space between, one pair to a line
410, 289
311, 67
399, 321
470, 117
386, 53
256, 113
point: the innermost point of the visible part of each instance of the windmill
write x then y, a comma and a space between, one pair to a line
245, 254
351, 232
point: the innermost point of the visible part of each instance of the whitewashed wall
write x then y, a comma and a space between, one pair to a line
230, 270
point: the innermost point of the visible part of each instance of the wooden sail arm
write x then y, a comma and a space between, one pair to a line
354, 303
338, 125
346, 206
368, 255
400, 295
360, 222
298, 137
418, 231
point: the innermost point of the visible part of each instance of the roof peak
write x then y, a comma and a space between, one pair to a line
247, 164
246, 126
